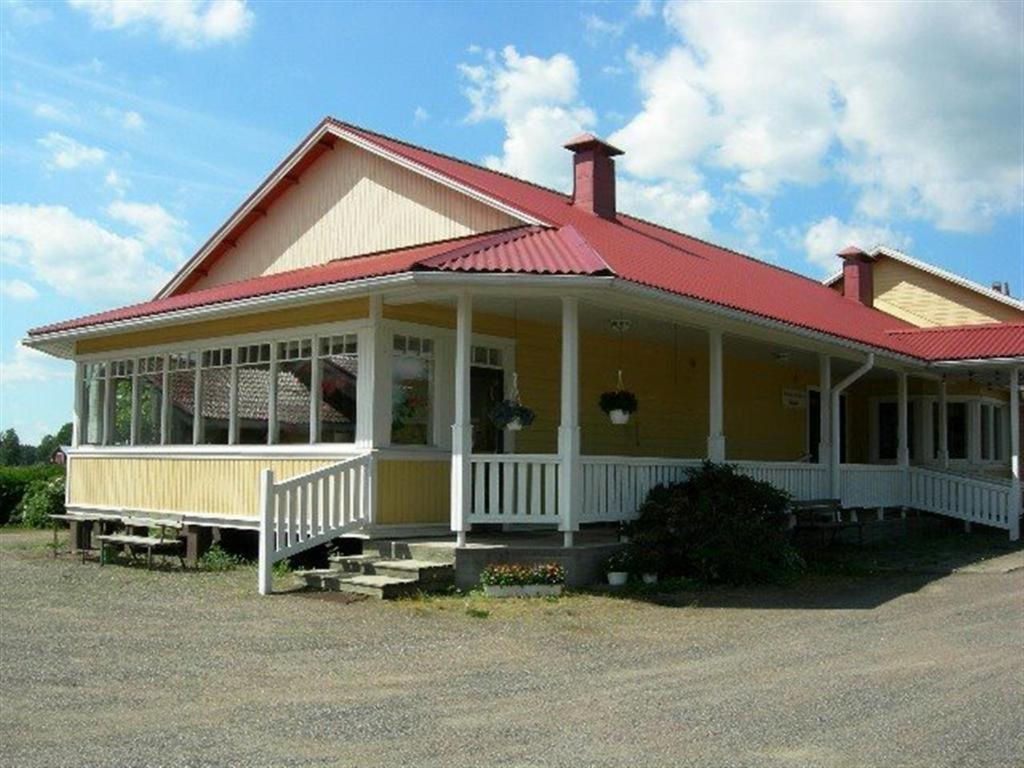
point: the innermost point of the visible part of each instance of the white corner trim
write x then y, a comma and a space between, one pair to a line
943, 274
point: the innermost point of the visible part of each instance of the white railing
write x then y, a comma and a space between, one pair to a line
802, 480
304, 511
872, 485
614, 487
987, 501
514, 488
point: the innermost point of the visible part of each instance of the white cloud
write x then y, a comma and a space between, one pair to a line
26, 364
916, 106
133, 121
116, 182
681, 207
53, 113
18, 290
82, 259
67, 154
644, 9
537, 100
599, 28
825, 238
420, 115
186, 23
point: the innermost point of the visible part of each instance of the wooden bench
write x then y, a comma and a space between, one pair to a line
824, 516
80, 525
132, 539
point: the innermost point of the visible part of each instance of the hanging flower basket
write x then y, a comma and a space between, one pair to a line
619, 404
511, 415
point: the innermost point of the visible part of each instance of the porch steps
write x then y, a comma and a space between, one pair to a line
384, 577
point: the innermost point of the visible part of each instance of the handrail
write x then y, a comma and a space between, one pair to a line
310, 509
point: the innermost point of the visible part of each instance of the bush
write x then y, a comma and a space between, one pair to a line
42, 499
216, 559
521, 575
15, 481
715, 526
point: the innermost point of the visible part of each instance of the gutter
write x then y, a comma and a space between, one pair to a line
836, 430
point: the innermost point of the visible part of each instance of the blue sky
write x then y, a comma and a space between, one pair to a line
129, 132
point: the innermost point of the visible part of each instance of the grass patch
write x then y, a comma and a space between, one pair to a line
216, 560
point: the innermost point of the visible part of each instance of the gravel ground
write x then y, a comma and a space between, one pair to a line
123, 667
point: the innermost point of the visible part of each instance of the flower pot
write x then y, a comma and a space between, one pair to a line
523, 590
619, 417
650, 578
514, 426
617, 578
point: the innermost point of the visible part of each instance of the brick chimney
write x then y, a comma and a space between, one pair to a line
858, 281
594, 175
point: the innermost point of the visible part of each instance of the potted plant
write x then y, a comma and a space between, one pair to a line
618, 567
511, 580
511, 415
619, 404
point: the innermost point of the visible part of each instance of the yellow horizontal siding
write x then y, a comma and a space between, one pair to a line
413, 492
925, 299
351, 202
218, 487
256, 322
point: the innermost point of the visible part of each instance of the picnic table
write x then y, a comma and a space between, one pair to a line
824, 516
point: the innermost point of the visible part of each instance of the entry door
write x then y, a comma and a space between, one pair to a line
487, 389
814, 425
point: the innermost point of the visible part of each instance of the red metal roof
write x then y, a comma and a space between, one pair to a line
535, 251
632, 249
964, 342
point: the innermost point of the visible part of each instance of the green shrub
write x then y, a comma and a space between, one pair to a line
715, 526
216, 559
42, 499
14, 482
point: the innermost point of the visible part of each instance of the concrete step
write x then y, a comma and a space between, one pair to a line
411, 549
353, 563
372, 585
429, 574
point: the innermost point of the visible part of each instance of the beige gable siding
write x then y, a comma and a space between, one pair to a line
925, 299
351, 202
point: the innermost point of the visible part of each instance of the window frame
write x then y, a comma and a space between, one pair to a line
355, 327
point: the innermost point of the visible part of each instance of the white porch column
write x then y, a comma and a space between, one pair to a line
824, 401
716, 428
569, 429
462, 428
943, 429
76, 418
903, 440
1015, 494
368, 393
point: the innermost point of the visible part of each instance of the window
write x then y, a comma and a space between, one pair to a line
181, 388
411, 390
999, 418
486, 357
252, 393
992, 417
94, 385
150, 387
956, 430
339, 368
294, 388
120, 416
215, 397
888, 430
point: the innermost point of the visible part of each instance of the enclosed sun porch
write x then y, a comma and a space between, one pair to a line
374, 415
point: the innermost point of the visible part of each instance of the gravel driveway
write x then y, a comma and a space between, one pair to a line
124, 667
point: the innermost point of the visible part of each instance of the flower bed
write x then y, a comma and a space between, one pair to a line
501, 580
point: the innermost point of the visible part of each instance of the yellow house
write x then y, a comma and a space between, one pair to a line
349, 351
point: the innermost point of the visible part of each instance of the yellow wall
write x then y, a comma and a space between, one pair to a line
413, 492
924, 299
256, 322
351, 202
410, 491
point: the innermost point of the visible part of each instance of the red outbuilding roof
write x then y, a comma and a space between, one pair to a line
573, 242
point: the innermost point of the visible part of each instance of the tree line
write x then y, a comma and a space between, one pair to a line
14, 454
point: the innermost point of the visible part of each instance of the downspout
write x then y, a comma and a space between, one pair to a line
836, 432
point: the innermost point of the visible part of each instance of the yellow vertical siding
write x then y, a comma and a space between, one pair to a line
351, 202
925, 299
413, 492
227, 487
256, 322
